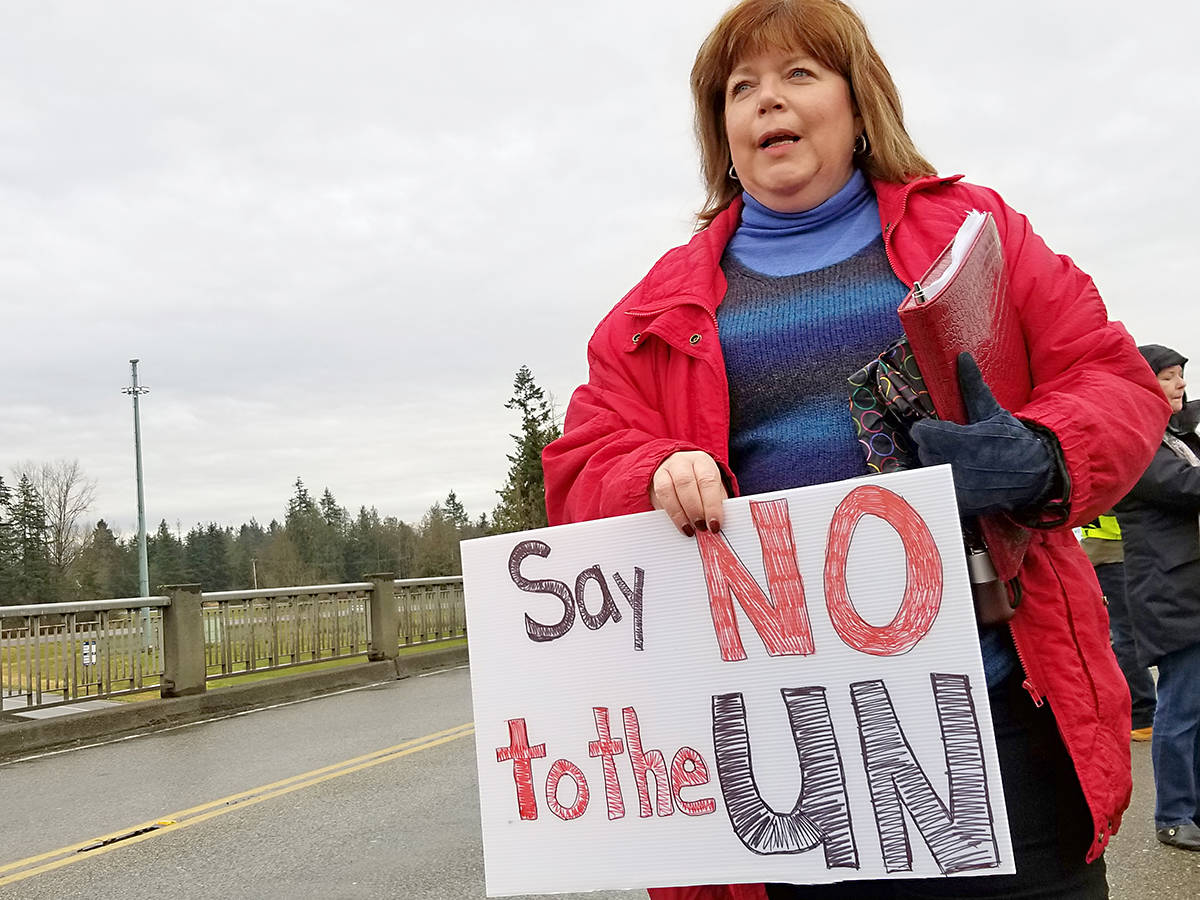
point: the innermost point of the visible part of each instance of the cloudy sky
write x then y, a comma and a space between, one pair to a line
332, 231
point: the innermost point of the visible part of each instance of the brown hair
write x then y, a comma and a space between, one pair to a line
835, 36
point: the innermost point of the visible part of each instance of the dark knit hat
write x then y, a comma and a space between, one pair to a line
1161, 357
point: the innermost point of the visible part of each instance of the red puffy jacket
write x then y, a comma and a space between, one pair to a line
657, 385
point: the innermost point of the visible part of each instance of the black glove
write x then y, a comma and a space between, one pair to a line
999, 464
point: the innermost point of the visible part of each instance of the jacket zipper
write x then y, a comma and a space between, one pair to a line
1027, 683
887, 238
891, 227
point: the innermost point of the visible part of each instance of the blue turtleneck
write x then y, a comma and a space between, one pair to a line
776, 243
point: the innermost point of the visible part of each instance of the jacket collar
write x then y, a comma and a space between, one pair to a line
1187, 419
692, 273
893, 197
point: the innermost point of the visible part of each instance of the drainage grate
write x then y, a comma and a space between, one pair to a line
126, 836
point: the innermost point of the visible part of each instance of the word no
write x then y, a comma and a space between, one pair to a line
778, 614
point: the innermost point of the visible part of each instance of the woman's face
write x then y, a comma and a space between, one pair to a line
791, 127
1171, 381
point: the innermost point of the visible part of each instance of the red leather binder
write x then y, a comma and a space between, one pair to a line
959, 304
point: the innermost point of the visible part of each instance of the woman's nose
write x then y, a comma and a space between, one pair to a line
769, 96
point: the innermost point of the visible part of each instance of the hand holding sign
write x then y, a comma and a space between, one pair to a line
689, 488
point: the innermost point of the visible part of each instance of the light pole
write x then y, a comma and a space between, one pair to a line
135, 390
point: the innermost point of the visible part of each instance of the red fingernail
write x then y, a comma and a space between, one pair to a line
689, 530
701, 525
714, 526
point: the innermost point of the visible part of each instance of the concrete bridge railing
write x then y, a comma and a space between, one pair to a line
57, 653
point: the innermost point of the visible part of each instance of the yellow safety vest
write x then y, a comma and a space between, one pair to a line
1103, 527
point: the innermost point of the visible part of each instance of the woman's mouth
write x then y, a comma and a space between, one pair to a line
777, 139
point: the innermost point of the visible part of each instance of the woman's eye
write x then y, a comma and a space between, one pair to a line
799, 73
740, 87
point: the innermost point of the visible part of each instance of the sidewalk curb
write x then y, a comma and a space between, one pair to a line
22, 738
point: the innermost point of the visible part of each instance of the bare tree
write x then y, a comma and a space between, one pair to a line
67, 493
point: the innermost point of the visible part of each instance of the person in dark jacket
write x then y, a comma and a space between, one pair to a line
1160, 523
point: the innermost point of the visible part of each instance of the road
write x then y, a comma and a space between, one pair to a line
389, 807
368, 793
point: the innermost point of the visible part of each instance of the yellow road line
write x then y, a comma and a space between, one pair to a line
234, 798
64, 856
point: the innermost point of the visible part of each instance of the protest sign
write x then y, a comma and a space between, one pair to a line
799, 698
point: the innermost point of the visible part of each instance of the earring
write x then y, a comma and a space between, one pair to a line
860, 144
733, 173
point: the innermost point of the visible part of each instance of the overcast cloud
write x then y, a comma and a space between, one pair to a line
333, 231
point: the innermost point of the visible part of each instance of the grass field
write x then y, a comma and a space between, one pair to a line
53, 665
15, 663
217, 684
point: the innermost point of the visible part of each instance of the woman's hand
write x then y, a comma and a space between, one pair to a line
688, 485
999, 464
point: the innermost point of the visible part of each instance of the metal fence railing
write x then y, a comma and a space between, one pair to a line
249, 631
54, 654
431, 609
57, 653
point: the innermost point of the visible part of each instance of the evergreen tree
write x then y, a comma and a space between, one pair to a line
437, 541
523, 497
245, 554
401, 539
362, 551
335, 516
32, 543
332, 548
8, 547
317, 542
220, 541
455, 512
165, 558
107, 567
300, 507
206, 552
437, 546
302, 522
375, 545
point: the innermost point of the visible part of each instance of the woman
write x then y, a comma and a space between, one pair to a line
1162, 551
724, 372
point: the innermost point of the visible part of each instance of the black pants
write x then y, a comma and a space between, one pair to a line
1049, 821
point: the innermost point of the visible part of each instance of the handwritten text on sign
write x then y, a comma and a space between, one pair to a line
798, 698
